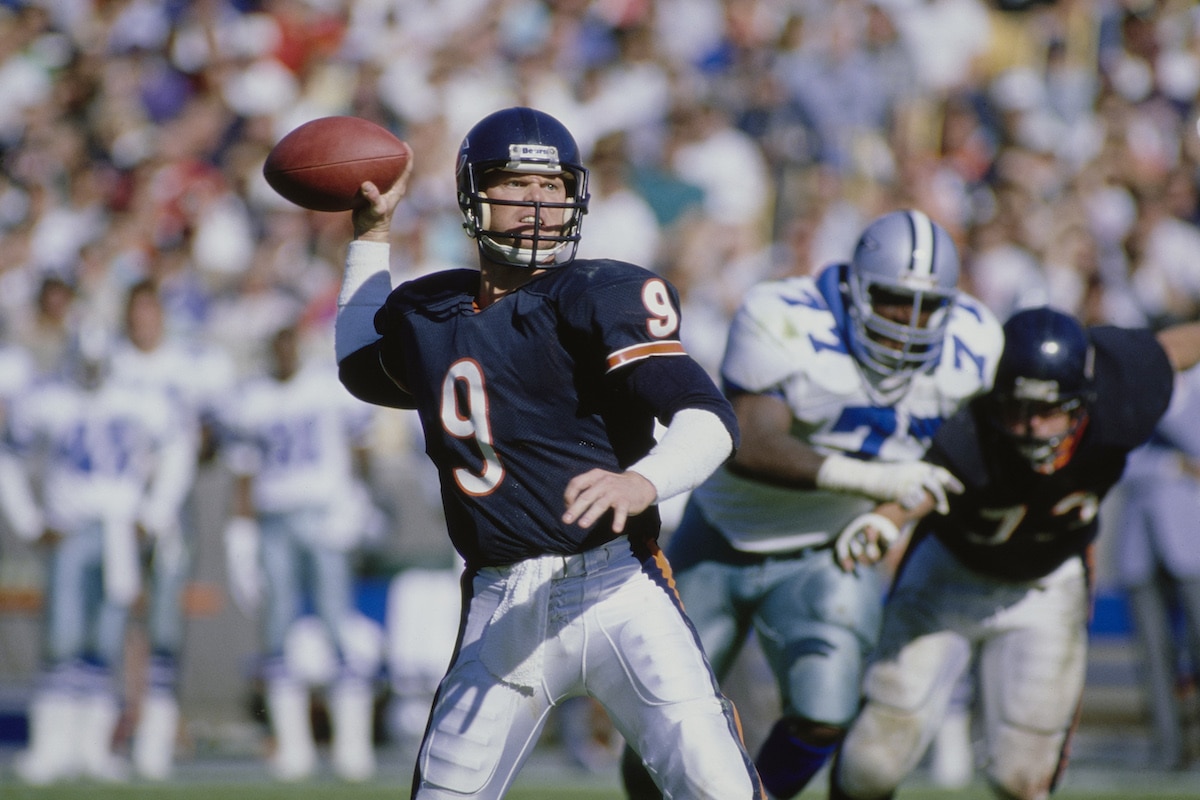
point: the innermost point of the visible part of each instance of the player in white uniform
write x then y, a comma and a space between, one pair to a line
839, 382
17, 372
196, 378
111, 463
294, 439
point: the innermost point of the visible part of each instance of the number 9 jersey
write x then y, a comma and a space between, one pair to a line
489, 386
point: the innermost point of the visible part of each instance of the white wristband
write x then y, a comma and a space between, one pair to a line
842, 474
693, 446
365, 287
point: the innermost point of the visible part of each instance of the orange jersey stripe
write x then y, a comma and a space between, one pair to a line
639, 351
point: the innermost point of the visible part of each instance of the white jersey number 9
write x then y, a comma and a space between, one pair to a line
464, 412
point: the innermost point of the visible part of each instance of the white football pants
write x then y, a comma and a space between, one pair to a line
598, 623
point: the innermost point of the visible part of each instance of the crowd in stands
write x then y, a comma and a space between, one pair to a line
732, 140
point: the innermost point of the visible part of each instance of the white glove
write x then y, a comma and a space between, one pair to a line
903, 482
241, 563
865, 540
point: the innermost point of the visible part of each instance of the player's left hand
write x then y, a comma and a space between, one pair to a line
864, 541
590, 495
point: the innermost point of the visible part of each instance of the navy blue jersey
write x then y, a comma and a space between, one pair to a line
519, 397
1014, 523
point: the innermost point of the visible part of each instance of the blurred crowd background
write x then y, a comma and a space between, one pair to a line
730, 141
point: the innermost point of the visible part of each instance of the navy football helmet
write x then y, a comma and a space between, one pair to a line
903, 282
1047, 367
521, 140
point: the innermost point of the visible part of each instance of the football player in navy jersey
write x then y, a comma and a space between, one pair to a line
839, 381
538, 379
1002, 577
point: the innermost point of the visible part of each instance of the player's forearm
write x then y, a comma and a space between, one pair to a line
243, 497
1182, 345
780, 460
902, 516
769, 453
173, 477
365, 287
17, 499
694, 445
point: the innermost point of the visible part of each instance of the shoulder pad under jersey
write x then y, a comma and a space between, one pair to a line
782, 328
974, 340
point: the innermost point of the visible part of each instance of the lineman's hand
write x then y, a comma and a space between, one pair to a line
590, 495
904, 482
865, 541
373, 219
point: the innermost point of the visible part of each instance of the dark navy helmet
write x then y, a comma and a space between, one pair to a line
529, 141
1047, 366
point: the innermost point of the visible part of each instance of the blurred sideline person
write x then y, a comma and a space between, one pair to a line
1158, 564
538, 379
112, 462
1002, 576
839, 382
296, 449
196, 380
17, 372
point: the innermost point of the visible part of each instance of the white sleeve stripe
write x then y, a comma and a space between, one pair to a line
693, 446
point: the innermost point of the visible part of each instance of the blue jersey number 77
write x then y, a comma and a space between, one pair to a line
882, 423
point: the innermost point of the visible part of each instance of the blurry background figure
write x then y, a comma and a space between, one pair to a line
17, 371
46, 331
194, 378
111, 463
301, 508
621, 222
423, 606
1158, 563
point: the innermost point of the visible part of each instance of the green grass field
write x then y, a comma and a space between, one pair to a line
332, 791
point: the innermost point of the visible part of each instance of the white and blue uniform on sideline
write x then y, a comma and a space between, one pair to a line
749, 555
196, 379
104, 459
17, 371
294, 439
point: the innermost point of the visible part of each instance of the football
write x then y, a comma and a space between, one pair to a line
321, 164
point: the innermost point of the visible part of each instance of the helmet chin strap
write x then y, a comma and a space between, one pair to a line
521, 256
